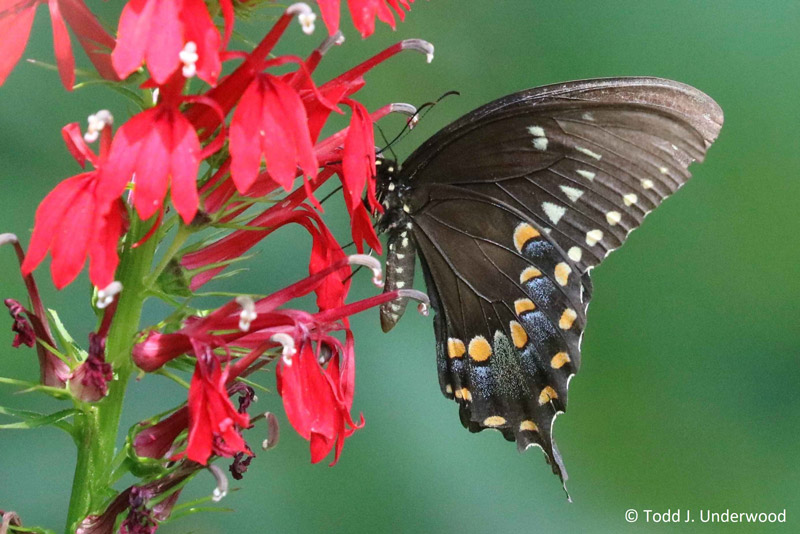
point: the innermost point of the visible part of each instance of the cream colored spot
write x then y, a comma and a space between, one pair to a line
567, 318
593, 236
523, 233
589, 175
562, 272
479, 349
613, 217
463, 394
547, 395
536, 131
494, 421
528, 425
588, 152
630, 199
448, 389
455, 347
528, 274
518, 334
540, 143
559, 360
664, 170
575, 253
572, 193
524, 305
554, 212
647, 184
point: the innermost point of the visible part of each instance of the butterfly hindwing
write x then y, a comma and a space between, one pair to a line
509, 316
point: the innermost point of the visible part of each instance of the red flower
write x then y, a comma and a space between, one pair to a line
363, 13
317, 400
159, 149
16, 18
270, 120
168, 34
213, 421
74, 221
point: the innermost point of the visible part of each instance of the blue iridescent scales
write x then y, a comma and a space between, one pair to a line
509, 208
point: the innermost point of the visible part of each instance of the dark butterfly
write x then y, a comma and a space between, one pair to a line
509, 208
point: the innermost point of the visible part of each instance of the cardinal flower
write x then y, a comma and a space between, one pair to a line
16, 19
270, 121
159, 150
214, 423
168, 35
75, 221
363, 13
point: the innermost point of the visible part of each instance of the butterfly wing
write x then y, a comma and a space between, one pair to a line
510, 311
585, 160
510, 207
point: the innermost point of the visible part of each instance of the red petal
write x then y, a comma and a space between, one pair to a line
49, 215
94, 39
103, 247
71, 240
329, 9
184, 163
200, 28
62, 46
165, 40
244, 130
14, 32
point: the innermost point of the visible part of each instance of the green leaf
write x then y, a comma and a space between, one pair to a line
73, 351
34, 419
57, 393
172, 280
30, 530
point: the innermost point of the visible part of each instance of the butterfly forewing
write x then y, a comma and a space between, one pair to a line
511, 205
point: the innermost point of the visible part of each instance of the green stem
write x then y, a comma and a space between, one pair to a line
98, 427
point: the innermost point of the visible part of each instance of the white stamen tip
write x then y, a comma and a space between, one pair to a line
307, 22
222, 483
402, 107
8, 238
289, 349
424, 301
420, 46
298, 8
106, 295
370, 262
248, 313
189, 57
95, 123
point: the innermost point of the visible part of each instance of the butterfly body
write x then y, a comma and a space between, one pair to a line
508, 209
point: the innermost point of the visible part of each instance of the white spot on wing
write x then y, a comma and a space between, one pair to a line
588, 152
540, 143
554, 212
589, 175
663, 170
536, 131
572, 193
613, 217
593, 236
647, 184
630, 199
575, 254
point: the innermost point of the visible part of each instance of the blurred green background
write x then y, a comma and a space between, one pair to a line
688, 395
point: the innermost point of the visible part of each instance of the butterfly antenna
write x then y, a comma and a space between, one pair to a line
329, 195
386, 140
411, 122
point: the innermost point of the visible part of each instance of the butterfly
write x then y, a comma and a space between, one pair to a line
509, 208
